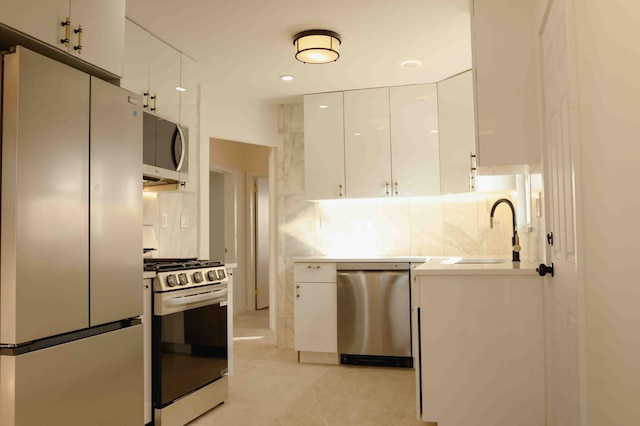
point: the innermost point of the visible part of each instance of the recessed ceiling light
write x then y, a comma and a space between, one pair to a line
181, 89
323, 106
411, 64
286, 77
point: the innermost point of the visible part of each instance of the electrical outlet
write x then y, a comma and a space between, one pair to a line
164, 221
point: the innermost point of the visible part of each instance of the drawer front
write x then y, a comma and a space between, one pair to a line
315, 272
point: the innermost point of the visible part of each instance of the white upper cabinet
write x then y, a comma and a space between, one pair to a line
164, 79
188, 91
324, 146
457, 133
414, 140
41, 19
152, 69
367, 144
100, 41
504, 47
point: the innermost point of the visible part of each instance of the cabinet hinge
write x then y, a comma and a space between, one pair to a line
255, 188
256, 291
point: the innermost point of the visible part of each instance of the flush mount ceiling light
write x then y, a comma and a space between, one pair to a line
317, 46
286, 77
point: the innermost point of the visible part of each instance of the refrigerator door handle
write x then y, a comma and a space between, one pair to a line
182, 151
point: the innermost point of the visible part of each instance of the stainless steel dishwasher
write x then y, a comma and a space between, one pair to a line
374, 314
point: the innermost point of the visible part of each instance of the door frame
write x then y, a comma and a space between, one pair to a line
250, 177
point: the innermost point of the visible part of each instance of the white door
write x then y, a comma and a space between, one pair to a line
564, 301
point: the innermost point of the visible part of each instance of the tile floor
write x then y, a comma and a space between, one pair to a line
270, 387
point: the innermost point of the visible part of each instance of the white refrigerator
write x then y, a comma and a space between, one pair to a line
70, 247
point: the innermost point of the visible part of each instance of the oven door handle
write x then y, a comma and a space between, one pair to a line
185, 300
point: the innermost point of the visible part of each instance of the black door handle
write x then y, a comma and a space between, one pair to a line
544, 269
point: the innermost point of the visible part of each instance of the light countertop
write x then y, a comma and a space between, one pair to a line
439, 265
435, 266
148, 274
328, 259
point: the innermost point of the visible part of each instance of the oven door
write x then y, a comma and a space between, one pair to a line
189, 339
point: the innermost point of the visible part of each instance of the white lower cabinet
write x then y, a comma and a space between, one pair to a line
315, 307
480, 348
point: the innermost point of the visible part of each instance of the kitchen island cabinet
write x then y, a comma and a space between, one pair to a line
478, 341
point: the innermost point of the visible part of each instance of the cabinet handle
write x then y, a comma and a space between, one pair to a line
340, 190
396, 185
387, 185
66, 24
297, 292
146, 102
154, 98
78, 31
313, 266
472, 171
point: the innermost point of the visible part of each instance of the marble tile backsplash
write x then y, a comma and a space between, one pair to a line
453, 225
173, 239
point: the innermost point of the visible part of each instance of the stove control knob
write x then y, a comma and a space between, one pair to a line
211, 275
183, 279
172, 281
221, 273
198, 278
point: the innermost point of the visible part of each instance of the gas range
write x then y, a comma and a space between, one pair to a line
179, 274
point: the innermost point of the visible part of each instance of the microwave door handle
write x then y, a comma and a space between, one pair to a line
183, 148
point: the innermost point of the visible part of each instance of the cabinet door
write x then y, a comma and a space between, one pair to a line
135, 67
40, 19
102, 37
457, 133
367, 144
324, 146
315, 317
164, 79
414, 140
482, 345
504, 47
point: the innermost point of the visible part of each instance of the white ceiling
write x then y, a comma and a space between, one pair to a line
243, 46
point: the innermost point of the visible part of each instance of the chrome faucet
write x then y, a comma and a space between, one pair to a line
515, 240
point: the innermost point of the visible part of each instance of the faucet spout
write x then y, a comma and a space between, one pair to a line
515, 240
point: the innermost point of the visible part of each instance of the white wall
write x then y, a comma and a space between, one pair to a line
608, 60
216, 216
242, 120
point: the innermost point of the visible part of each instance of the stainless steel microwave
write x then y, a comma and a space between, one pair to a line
165, 151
